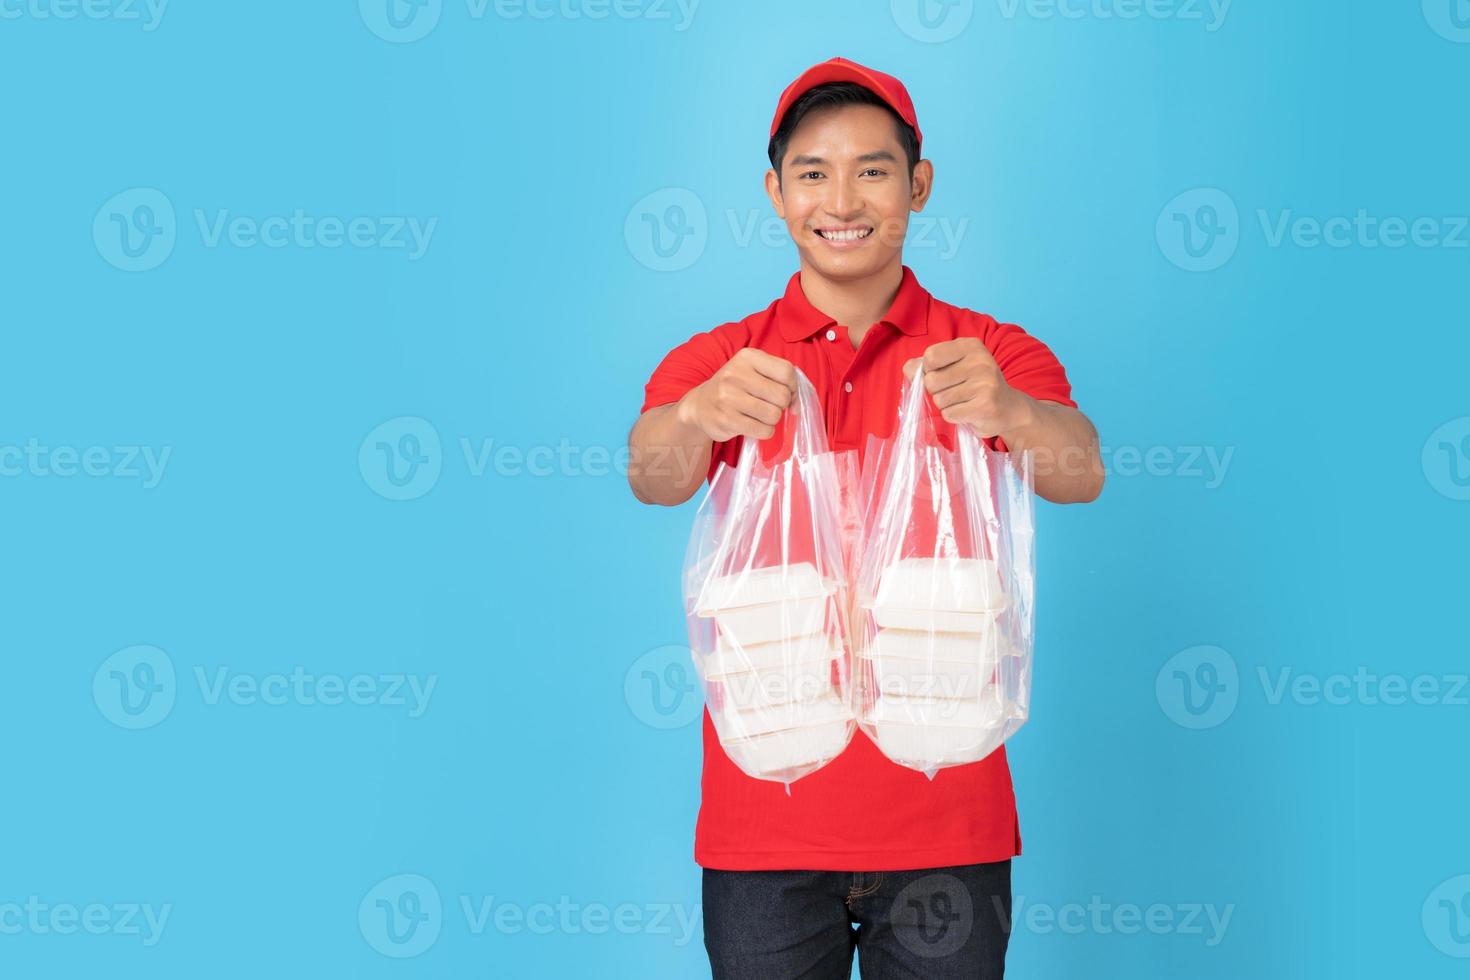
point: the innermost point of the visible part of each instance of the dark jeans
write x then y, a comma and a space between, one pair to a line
933, 924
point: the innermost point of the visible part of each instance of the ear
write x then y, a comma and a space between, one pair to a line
921, 186
773, 191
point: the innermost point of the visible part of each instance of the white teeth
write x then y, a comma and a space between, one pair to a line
850, 235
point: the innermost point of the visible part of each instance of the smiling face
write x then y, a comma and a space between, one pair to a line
845, 192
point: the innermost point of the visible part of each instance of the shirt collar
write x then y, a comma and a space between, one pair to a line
909, 311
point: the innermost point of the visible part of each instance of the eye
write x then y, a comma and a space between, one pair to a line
810, 173
875, 172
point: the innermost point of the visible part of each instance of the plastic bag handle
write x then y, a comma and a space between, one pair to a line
916, 407
799, 440
794, 426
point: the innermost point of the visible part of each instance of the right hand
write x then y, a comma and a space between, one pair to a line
746, 397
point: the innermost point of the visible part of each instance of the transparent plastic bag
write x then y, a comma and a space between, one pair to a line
766, 596
943, 592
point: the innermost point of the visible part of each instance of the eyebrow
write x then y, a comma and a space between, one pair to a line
877, 156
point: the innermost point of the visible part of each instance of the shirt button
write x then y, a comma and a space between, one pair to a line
847, 387
831, 334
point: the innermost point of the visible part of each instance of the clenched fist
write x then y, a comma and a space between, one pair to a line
967, 386
744, 398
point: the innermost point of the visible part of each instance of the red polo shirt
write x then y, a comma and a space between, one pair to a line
860, 812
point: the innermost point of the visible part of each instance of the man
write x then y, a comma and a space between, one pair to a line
920, 867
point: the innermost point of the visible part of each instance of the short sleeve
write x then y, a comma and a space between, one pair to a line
1028, 365
691, 364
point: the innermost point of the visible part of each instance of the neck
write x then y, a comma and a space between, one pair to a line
857, 304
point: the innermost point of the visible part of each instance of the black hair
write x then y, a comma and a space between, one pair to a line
829, 96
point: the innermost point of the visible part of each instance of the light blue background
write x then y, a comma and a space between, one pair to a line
1335, 540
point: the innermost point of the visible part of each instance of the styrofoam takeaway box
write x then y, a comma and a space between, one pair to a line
733, 657
761, 586
927, 733
969, 585
804, 681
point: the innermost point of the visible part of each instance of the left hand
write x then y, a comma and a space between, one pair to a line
967, 386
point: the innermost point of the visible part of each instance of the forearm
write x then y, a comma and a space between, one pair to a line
1068, 463
668, 456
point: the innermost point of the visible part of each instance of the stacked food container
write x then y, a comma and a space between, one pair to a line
931, 661
775, 676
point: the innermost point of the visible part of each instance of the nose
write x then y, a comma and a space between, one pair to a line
846, 199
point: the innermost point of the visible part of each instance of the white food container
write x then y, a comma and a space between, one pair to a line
929, 679
732, 722
794, 748
953, 647
971, 585
731, 657
766, 623
932, 620
927, 733
762, 586
809, 681
933, 665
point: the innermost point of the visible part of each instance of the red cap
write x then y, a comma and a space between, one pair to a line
886, 87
